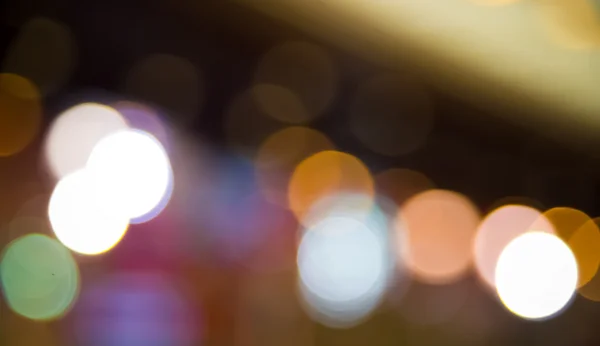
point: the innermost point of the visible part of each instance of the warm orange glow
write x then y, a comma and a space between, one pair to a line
585, 244
591, 289
280, 154
326, 174
440, 226
566, 221
21, 113
573, 24
400, 184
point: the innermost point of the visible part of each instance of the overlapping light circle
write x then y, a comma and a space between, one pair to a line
536, 275
132, 169
75, 133
344, 267
83, 220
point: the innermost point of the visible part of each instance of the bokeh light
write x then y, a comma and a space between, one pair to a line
498, 229
536, 275
591, 289
135, 309
81, 219
344, 268
391, 116
566, 221
75, 132
21, 110
40, 279
144, 118
168, 81
43, 52
573, 24
585, 245
279, 155
328, 173
132, 169
400, 184
296, 82
440, 226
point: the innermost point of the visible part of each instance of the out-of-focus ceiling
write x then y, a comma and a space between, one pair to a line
535, 60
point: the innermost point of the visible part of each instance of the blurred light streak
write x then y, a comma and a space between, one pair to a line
296, 82
519, 64
82, 220
440, 226
345, 267
40, 279
493, 2
573, 24
21, 109
391, 116
75, 132
279, 155
325, 174
44, 52
498, 229
536, 275
132, 169
400, 184
168, 81
136, 309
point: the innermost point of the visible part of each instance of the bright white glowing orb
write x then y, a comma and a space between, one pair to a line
132, 168
343, 269
82, 220
536, 275
74, 134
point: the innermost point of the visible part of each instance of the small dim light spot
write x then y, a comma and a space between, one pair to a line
75, 132
168, 81
440, 226
40, 278
324, 174
281, 103
499, 228
391, 116
132, 169
279, 155
81, 219
307, 79
21, 113
536, 275
44, 52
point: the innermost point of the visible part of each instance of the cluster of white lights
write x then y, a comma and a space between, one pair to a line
126, 178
